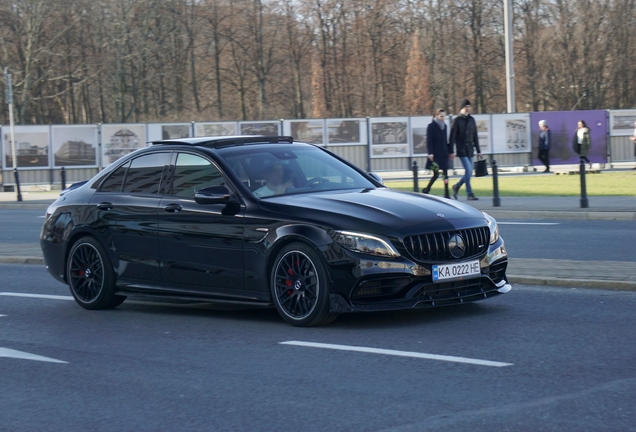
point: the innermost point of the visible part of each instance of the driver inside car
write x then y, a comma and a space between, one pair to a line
274, 175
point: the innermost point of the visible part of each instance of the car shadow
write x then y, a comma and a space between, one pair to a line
357, 320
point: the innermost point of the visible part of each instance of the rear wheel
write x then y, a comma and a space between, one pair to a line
90, 275
300, 286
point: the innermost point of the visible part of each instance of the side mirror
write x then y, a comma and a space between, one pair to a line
376, 177
213, 195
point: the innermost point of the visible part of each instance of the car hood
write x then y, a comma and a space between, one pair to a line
381, 210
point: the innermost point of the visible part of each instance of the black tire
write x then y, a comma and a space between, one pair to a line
90, 275
300, 286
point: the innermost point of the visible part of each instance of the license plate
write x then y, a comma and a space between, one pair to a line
464, 270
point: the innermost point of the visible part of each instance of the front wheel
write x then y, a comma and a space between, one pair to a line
300, 286
90, 275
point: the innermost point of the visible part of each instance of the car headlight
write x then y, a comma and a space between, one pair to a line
364, 243
494, 228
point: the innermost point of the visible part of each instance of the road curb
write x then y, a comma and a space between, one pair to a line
21, 260
24, 206
566, 215
574, 283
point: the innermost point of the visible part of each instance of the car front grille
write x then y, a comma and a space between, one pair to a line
434, 247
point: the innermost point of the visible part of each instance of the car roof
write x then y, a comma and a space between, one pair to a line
225, 141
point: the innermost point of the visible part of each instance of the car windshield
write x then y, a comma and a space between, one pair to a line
270, 170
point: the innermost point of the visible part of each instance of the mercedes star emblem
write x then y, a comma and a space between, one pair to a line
456, 246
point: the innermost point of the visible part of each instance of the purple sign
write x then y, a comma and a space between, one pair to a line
563, 125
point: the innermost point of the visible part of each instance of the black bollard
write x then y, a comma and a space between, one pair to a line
17, 183
415, 183
63, 174
496, 202
584, 203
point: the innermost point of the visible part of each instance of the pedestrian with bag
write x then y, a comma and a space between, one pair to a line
581, 141
545, 137
437, 147
463, 143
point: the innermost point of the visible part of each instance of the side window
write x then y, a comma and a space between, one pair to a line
115, 181
145, 173
193, 173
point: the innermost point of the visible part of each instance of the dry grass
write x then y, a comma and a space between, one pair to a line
617, 183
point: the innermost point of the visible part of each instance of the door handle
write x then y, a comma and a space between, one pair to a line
173, 208
105, 206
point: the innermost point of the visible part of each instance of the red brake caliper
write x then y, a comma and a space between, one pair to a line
288, 282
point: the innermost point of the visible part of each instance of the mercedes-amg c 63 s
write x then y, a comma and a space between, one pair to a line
266, 221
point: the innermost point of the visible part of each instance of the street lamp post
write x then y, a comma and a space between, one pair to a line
9, 99
510, 73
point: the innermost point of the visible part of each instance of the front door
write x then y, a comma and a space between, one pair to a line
201, 248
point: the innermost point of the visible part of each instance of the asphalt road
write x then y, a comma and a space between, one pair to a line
564, 361
584, 240
21, 226
581, 240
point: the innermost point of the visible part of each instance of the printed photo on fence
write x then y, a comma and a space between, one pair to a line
622, 122
389, 138
120, 139
309, 131
215, 129
418, 135
31, 146
345, 131
483, 132
511, 133
162, 131
260, 128
74, 145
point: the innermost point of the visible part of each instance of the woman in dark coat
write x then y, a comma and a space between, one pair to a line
437, 145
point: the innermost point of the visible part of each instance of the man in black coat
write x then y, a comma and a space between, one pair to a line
465, 141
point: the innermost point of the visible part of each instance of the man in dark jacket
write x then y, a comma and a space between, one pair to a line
545, 137
464, 139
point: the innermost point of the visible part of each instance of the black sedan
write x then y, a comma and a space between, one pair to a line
266, 221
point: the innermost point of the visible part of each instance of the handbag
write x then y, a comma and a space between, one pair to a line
481, 169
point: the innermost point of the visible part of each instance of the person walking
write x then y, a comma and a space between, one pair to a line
463, 138
581, 141
437, 146
544, 144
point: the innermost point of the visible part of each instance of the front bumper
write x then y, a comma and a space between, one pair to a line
381, 285
427, 295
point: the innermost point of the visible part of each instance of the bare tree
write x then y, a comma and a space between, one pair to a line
417, 94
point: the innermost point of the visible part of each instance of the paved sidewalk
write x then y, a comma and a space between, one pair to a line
568, 273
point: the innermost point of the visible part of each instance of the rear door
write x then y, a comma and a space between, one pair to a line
126, 206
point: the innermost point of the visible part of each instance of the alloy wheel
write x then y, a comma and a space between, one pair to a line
296, 285
86, 272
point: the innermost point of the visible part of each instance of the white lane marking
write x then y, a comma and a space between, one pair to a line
43, 296
6, 352
2, 315
528, 223
398, 353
